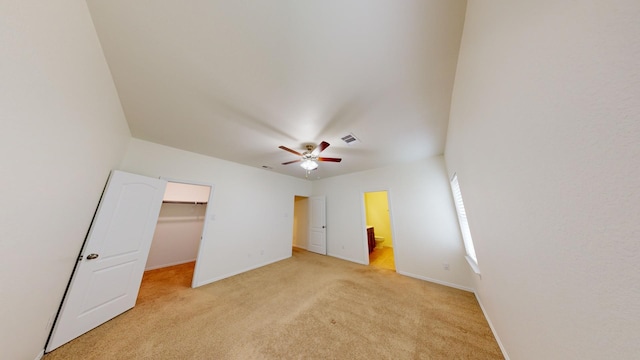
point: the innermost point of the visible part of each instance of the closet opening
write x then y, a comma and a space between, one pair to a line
181, 226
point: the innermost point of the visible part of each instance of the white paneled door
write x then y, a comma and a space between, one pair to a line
317, 225
107, 277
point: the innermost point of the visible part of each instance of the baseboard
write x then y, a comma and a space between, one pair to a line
299, 247
347, 259
456, 286
40, 355
217, 278
493, 330
170, 264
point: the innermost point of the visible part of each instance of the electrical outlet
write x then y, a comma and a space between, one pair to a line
445, 266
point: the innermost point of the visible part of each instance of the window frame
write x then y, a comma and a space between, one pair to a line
463, 222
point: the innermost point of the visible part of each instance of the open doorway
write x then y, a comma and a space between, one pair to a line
300, 222
176, 241
379, 231
309, 224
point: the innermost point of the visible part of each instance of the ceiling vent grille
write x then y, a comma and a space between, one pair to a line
350, 139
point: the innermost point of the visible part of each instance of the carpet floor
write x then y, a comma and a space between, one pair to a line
306, 307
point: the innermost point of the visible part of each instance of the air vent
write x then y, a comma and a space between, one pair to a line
350, 139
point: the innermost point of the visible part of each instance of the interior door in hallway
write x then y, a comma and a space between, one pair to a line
317, 225
107, 277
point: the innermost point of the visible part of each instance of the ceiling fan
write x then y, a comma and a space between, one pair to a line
310, 157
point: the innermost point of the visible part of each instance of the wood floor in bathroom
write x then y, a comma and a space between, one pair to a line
382, 258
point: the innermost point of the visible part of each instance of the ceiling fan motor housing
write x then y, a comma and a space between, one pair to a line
307, 155
311, 154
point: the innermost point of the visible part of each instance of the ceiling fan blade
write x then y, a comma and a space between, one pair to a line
323, 145
329, 159
289, 150
291, 162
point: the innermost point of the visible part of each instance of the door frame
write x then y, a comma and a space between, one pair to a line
391, 223
207, 214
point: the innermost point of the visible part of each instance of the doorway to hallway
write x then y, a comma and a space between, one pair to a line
309, 223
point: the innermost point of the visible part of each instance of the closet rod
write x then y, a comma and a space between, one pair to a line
184, 202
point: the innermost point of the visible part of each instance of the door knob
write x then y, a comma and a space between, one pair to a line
92, 256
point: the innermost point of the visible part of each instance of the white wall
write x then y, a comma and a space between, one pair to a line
301, 222
545, 138
424, 223
251, 215
61, 131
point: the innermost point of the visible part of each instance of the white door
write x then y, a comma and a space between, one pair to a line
107, 277
317, 225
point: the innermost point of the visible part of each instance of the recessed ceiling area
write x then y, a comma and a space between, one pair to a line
237, 79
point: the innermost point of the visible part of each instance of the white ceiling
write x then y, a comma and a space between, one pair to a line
235, 79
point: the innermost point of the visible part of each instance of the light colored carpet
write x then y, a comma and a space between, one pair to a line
307, 307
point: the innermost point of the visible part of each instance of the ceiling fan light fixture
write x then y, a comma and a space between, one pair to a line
309, 165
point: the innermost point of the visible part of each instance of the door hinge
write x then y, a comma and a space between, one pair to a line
80, 258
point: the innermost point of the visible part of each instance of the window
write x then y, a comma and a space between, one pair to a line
464, 225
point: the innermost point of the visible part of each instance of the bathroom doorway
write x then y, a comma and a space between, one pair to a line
379, 230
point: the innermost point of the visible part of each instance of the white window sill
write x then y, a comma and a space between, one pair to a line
473, 264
